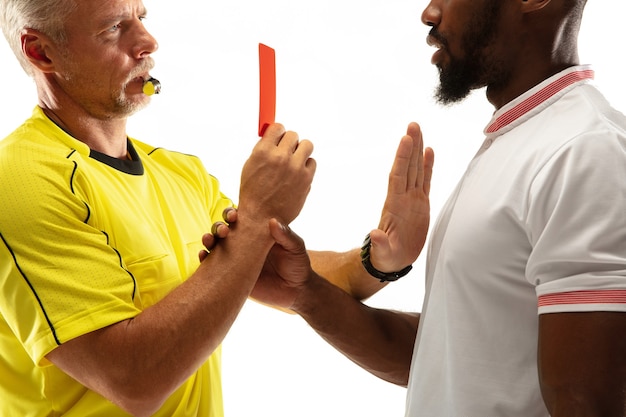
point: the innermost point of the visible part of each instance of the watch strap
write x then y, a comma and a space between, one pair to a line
367, 264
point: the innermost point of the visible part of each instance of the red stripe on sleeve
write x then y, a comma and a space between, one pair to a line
583, 297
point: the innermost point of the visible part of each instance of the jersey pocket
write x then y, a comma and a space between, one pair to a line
156, 276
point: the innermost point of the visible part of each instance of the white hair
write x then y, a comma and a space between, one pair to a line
45, 16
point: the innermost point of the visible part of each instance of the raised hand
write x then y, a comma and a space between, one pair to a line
405, 217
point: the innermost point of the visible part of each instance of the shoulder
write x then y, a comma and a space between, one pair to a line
585, 110
37, 151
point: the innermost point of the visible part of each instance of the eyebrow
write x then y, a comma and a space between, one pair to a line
124, 15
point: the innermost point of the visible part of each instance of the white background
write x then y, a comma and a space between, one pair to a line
351, 76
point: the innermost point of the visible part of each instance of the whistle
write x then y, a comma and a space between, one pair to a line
151, 86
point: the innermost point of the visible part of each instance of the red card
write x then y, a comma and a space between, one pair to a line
267, 87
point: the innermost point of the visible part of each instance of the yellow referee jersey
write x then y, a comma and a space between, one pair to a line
87, 241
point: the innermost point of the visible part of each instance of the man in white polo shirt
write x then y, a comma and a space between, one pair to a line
525, 304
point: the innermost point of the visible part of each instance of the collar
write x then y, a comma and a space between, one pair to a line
132, 166
537, 98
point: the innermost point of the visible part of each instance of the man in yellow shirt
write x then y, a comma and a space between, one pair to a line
105, 308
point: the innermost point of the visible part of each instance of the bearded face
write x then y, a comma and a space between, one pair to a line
476, 66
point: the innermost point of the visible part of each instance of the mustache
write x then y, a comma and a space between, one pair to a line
438, 37
146, 65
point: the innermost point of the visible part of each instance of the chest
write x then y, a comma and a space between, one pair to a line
154, 221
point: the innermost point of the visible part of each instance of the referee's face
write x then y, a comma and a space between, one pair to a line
107, 57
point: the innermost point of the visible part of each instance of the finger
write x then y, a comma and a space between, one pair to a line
285, 237
208, 241
215, 229
222, 231
230, 215
304, 150
273, 133
289, 142
429, 163
311, 164
202, 255
303, 156
401, 165
415, 174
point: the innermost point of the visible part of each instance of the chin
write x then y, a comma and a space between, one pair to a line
449, 94
126, 106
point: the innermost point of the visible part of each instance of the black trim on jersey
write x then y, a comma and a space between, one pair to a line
17, 265
72, 189
72, 177
119, 256
132, 166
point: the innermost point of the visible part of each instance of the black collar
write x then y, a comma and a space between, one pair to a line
132, 166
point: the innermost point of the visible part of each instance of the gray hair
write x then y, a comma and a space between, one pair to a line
45, 16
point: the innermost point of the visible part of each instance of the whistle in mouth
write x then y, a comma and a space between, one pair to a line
151, 86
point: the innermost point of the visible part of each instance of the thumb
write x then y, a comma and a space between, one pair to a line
285, 237
380, 241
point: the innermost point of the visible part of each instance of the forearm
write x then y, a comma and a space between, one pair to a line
380, 341
344, 269
138, 363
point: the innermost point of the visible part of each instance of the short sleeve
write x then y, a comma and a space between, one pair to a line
577, 226
57, 271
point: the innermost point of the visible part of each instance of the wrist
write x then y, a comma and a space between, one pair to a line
249, 234
309, 295
380, 275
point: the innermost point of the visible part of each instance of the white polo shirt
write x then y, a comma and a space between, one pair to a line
537, 225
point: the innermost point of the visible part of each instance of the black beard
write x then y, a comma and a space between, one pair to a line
457, 82
462, 75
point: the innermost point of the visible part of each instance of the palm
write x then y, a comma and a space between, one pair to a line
405, 218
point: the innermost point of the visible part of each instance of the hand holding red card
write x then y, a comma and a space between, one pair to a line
267, 87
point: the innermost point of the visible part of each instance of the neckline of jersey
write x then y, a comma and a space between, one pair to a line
132, 166
551, 88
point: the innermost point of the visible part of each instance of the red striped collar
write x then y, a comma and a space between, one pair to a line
552, 88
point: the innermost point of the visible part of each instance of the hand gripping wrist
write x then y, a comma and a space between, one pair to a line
367, 264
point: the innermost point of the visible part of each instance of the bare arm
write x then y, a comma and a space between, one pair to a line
139, 362
403, 225
344, 269
582, 365
380, 341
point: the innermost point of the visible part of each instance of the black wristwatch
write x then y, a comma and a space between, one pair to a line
367, 264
